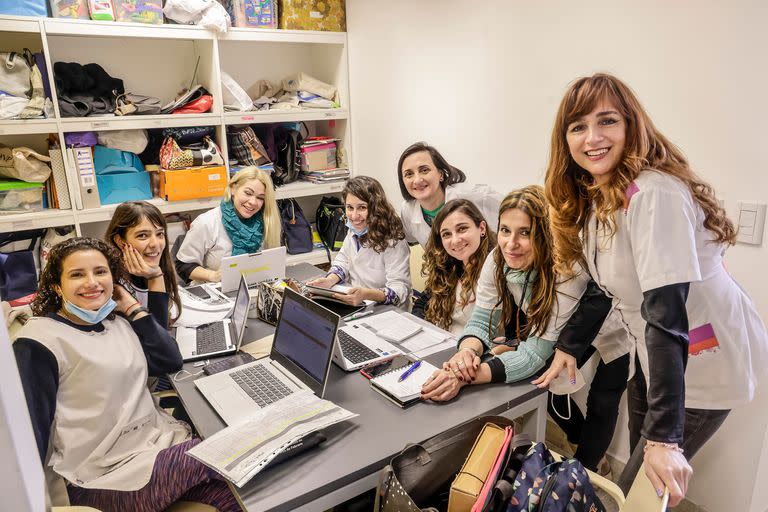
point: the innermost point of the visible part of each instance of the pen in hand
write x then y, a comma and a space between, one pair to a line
409, 371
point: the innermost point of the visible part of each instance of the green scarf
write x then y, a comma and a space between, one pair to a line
246, 234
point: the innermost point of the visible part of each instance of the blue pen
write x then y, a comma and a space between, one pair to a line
409, 371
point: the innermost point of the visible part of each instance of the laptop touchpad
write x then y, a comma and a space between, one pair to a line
229, 401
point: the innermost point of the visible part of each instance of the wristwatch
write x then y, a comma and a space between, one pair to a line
136, 311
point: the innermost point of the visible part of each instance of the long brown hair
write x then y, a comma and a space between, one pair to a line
530, 200
385, 228
130, 214
444, 272
571, 190
48, 300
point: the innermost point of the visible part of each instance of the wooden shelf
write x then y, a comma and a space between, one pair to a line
28, 24
33, 220
104, 213
118, 30
283, 36
27, 126
305, 188
82, 124
283, 116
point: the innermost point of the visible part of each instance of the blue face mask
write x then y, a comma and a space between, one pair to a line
356, 232
89, 316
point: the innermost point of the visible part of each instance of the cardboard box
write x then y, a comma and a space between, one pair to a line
469, 482
193, 183
328, 15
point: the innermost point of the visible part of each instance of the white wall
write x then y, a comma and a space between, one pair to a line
482, 80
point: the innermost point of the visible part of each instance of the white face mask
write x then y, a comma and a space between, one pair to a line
562, 386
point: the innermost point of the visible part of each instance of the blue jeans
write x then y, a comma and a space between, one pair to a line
700, 425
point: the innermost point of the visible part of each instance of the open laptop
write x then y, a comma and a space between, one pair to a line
300, 359
256, 267
359, 346
216, 338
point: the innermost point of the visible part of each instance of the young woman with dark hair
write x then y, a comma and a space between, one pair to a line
84, 359
138, 229
627, 205
458, 244
427, 181
374, 258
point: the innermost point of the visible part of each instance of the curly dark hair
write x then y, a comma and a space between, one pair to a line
48, 300
129, 214
385, 228
451, 174
444, 273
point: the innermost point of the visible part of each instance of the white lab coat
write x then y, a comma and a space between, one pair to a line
367, 268
206, 241
568, 294
661, 240
484, 197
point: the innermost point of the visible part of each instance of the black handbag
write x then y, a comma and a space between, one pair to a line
419, 477
18, 274
297, 233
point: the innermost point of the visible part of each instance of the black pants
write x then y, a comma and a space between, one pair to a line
700, 426
594, 432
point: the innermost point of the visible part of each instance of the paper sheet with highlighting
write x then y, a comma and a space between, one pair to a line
242, 450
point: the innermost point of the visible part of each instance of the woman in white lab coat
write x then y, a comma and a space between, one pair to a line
246, 221
628, 205
374, 258
427, 181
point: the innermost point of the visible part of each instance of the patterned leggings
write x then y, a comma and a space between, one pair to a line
175, 477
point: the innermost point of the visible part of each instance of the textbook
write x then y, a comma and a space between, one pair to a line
405, 392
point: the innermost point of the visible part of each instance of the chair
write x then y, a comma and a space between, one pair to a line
417, 258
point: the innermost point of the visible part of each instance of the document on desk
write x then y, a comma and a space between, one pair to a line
240, 451
390, 326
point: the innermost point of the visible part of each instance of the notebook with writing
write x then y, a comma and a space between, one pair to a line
405, 392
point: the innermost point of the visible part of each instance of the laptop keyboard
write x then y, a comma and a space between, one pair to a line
261, 385
353, 350
211, 338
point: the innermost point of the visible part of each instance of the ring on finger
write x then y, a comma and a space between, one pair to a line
461, 364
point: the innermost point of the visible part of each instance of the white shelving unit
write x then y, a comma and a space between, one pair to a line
159, 60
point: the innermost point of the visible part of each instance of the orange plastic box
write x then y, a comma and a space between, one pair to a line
193, 183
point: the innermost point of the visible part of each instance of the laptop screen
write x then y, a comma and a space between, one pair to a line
304, 336
240, 311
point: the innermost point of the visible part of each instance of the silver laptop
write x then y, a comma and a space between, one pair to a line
256, 267
216, 338
359, 346
300, 359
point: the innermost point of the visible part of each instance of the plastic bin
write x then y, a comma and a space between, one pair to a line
24, 7
18, 196
70, 9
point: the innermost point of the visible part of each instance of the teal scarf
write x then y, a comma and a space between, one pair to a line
520, 278
246, 234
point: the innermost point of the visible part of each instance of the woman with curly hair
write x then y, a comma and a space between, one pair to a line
628, 206
458, 245
246, 221
139, 231
374, 258
519, 292
427, 181
83, 360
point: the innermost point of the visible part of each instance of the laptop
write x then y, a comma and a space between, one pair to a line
256, 267
216, 338
359, 346
300, 359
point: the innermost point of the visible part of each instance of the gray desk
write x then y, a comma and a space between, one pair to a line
348, 463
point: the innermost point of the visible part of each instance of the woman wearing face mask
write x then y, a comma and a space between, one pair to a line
458, 245
427, 182
84, 359
139, 231
246, 221
536, 304
627, 204
374, 258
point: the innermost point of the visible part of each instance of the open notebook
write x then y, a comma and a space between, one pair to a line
406, 392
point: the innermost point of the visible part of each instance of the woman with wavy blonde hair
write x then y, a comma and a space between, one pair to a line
519, 294
246, 221
627, 204
374, 258
457, 247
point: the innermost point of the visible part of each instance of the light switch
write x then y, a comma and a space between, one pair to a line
751, 222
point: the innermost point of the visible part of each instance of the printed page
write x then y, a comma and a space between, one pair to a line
242, 450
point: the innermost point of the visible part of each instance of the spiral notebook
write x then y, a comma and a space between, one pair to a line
408, 391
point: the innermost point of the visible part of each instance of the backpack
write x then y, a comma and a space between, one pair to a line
543, 485
287, 165
18, 273
331, 223
297, 233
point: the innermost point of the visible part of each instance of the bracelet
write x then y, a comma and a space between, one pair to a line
157, 275
140, 309
669, 446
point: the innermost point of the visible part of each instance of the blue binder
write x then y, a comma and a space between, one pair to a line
120, 176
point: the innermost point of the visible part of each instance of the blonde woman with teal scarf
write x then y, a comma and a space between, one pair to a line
246, 221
